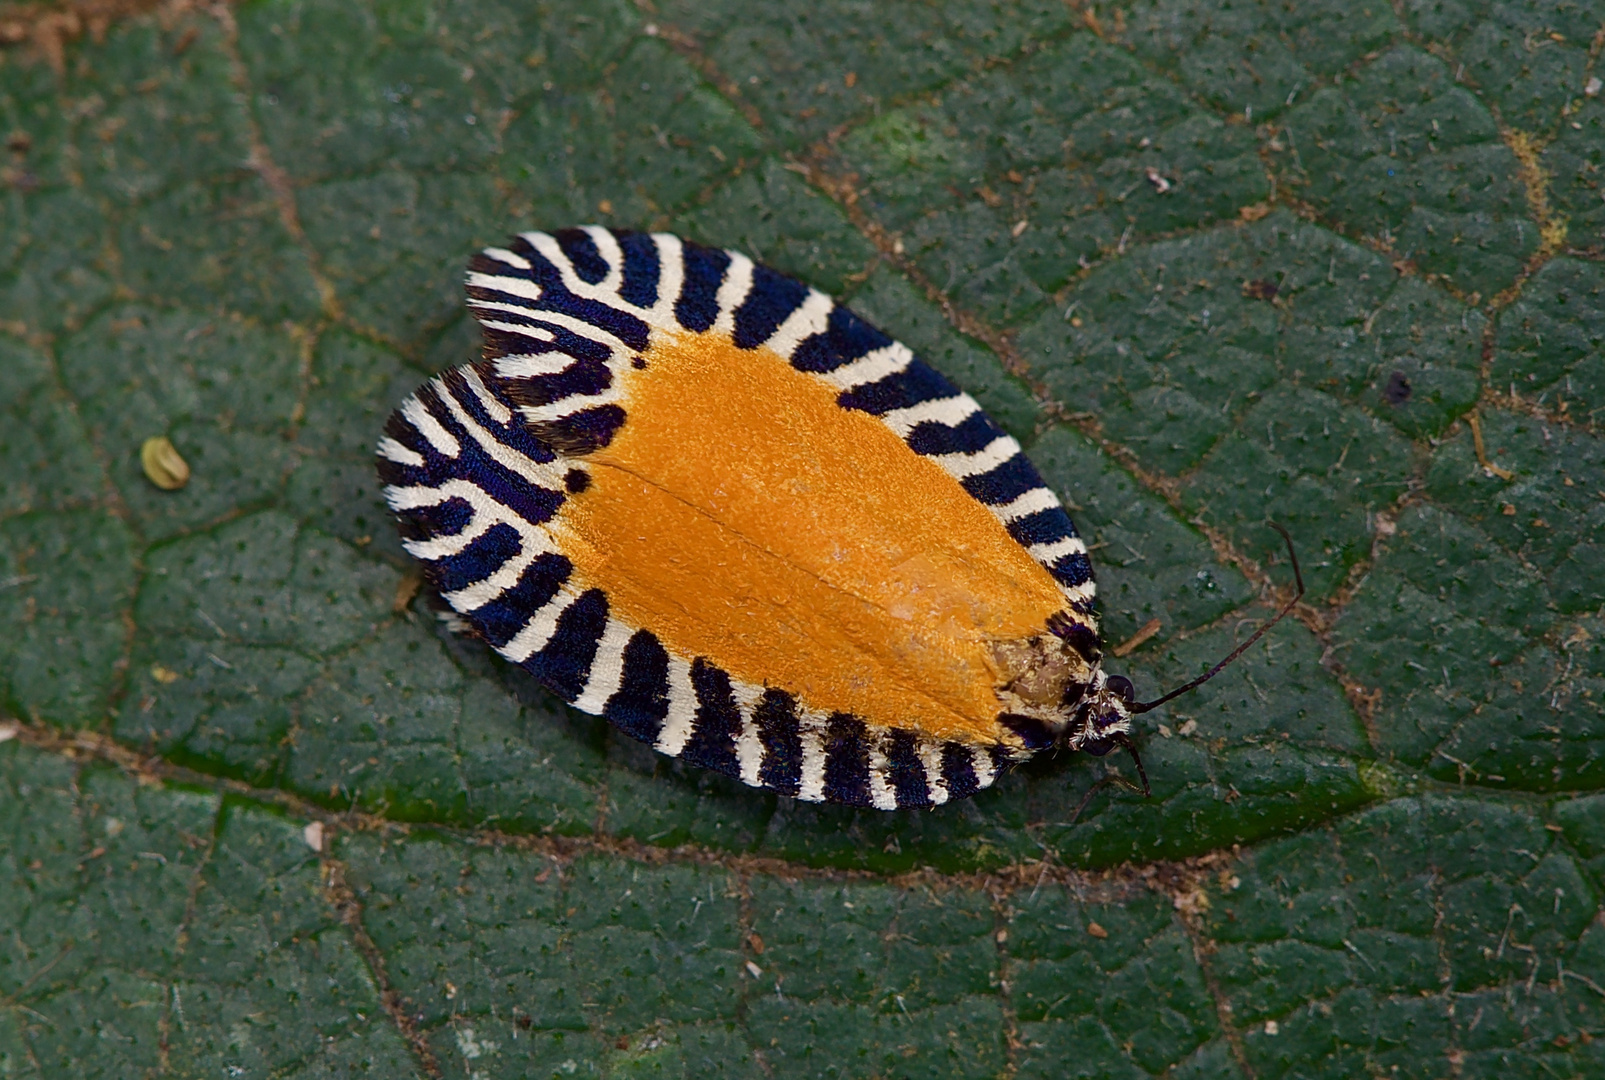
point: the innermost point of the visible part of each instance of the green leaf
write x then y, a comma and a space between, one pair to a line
1331, 266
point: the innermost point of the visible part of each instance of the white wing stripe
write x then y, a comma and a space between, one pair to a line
671, 279
871, 367
487, 401
400, 454
930, 752
419, 417
676, 731
533, 365
505, 283
881, 795
810, 318
733, 290
502, 255
608, 247
607, 668
949, 412
540, 627
810, 730
558, 318
1030, 503
749, 746
534, 333
985, 771
1048, 554
567, 406
989, 457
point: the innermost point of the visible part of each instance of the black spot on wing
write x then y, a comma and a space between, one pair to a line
698, 304
500, 620
1080, 636
846, 760
778, 730
905, 770
443, 519
1005, 483
641, 702
583, 432
712, 744
976, 432
478, 560
585, 377
1072, 570
501, 342
845, 338
588, 263
916, 383
959, 771
773, 298
1004, 758
1042, 527
1034, 732
565, 662
642, 268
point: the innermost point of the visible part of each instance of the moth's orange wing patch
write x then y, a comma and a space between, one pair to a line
747, 518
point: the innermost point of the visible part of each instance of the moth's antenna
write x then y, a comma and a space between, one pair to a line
1298, 594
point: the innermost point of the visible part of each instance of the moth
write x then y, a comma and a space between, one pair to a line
694, 496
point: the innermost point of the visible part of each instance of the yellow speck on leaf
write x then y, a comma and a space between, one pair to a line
164, 466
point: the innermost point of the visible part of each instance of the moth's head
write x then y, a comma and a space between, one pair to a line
1102, 718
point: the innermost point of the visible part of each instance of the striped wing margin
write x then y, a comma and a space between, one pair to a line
479, 461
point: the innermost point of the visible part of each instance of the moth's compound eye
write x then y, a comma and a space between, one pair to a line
1121, 687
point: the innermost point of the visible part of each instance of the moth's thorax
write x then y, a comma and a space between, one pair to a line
748, 518
1043, 677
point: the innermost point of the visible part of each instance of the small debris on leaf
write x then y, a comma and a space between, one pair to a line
406, 590
1260, 289
1097, 931
1488, 467
164, 466
1397, 392
1131, 644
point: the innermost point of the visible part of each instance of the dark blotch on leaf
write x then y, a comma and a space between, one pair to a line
1397, 392
1260, 289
